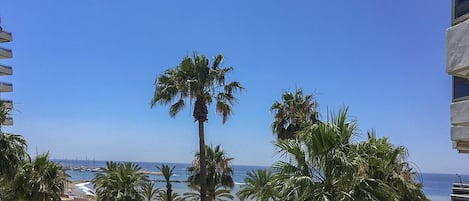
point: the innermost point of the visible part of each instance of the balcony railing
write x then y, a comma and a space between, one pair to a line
6, 87
5, 53
8, 121
6, 70
8, 104
5, 36
457, 56
5, 49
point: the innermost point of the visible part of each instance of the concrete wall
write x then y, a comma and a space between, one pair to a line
457, 50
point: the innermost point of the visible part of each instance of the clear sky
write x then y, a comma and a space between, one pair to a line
84, 73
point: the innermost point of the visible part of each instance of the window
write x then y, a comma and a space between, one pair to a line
460, 88
461, 7
460, 10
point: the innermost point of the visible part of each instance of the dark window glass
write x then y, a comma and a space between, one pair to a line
461, 7
460, 87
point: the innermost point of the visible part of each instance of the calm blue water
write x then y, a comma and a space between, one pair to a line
437, 187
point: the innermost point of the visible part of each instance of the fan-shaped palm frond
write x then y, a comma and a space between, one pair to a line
292, 112
258, 185
40, 179
219, 172
220, 193
120, 182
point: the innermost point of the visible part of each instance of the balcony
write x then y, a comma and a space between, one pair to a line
8, 104
460, 138
5, 36
460, 113
6, 87
460, 125
8, 121
5, 53
5, 70
457, 44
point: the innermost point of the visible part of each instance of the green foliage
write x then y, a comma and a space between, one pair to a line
197, 80
12, 154
22, 178
174, 196
167, 173
150, 193
12, 150
4, 112
292, 112
220, 193
258, 185
39, 179
120, 182
322, 162
219, 172
386, 165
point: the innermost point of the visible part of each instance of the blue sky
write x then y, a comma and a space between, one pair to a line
84, 73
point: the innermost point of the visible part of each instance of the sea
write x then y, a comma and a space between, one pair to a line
437, 187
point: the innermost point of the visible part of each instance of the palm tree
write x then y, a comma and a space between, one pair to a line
167, 173
174, 196
4, 112
12, 150
319, 166
120, 182
12, 153
195, 79
220, 193
291, 112
324, 164
40, 179
219, 172
149, 192
386, 165
258, 185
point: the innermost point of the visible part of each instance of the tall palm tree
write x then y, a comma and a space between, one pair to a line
195, 79
167, 173
291, 112
219, 172
258, 185
40, 179
120, 182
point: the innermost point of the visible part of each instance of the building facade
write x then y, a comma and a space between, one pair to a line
5, 70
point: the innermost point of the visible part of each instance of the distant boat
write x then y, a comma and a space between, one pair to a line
98, 169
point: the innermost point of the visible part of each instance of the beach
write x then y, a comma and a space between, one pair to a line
78, 189
436, 186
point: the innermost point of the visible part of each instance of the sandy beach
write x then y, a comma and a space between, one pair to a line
77, 189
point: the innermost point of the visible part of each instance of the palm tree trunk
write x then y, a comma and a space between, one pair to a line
169, 191
203, 170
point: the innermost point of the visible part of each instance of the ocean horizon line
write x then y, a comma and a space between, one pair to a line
234, 164
119, 161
